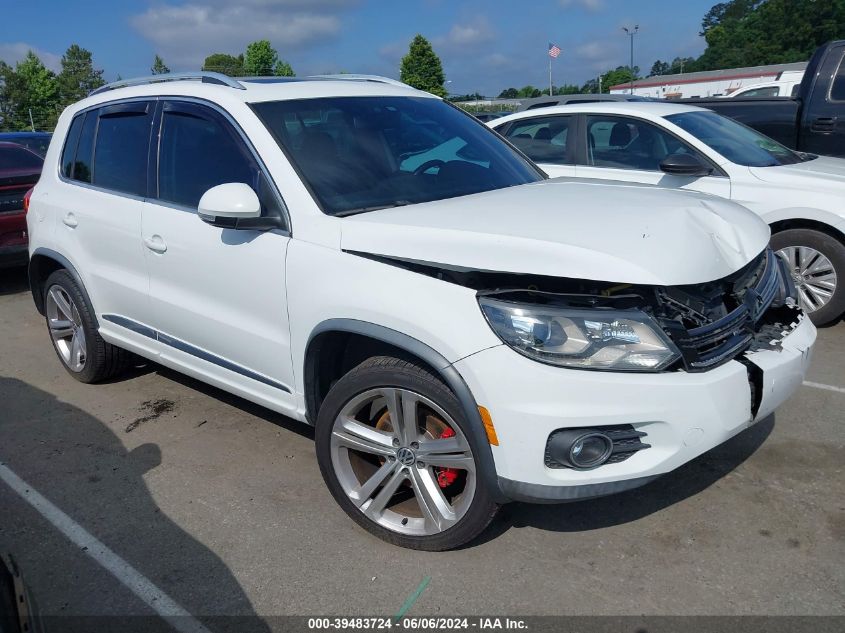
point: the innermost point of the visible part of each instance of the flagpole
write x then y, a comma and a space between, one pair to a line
550, 75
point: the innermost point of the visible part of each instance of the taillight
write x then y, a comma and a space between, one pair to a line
26, 198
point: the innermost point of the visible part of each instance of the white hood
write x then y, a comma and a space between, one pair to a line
581, 229
823, 172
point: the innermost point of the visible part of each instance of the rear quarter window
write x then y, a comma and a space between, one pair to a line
71, 143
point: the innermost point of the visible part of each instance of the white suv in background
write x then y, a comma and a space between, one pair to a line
368, 259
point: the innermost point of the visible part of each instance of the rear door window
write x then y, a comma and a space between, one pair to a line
121, 148
542, 139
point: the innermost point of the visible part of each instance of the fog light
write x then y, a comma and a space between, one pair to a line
580, 448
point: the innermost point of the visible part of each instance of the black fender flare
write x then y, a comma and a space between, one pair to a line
446, 372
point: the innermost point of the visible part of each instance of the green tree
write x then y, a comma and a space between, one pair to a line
509, 93
422, 69
7, 80
260, 59
159, 67
225, 63
30, 95
618, 76
660, 68
78, 76
529, 92
567, 89
683, 65
758, 32
284, 69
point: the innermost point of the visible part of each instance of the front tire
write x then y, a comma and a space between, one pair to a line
817, 263
394, 450
73, 331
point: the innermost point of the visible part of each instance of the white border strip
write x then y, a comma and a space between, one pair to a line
131, 578
818, 385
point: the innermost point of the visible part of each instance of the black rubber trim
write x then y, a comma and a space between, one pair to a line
182, 346
539, 493
65, 263
447, 373
129, 324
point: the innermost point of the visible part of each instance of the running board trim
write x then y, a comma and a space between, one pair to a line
194, 351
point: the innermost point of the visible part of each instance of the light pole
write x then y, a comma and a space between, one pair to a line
631, 33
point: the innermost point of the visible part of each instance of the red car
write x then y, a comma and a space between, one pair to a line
20, 169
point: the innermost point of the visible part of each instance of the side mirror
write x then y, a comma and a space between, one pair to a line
684, 165
228, 205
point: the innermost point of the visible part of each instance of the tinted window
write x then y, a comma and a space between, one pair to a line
361, 153
542, 139
72, 140
12, 157
837, 89
38, 143
769, 91
85, 149
120, 154
197, 153
735, 141
625, 143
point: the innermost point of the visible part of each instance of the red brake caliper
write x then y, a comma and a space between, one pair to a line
446, 476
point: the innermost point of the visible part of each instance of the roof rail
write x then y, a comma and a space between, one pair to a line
205, 77
354, 77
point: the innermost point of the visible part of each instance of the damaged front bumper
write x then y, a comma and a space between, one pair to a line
683, 414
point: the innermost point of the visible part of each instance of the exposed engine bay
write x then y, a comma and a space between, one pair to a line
710, 323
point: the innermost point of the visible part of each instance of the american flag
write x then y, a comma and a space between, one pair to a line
554, 50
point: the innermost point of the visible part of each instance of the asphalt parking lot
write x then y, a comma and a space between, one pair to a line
220, 505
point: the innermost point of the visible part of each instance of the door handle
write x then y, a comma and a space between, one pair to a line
70, 220
823, 124
155, 244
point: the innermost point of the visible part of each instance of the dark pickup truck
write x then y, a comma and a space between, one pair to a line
813, 121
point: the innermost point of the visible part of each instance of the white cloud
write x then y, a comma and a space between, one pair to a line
13, 52
472, 33
185, 34
393, 52
589, 5
592, 51
477, 32
499, 61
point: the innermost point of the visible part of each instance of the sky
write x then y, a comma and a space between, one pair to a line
485, 46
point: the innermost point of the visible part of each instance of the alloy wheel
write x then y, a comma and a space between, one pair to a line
403, 461
813, 274
66, 328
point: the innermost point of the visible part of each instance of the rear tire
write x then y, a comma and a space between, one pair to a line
417, 484
817, 261
73, 331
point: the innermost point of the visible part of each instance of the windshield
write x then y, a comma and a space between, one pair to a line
364, 153
735, 141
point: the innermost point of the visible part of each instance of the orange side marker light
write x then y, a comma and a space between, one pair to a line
488, 426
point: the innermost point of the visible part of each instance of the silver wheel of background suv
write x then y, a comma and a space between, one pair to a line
403, 461
66, 328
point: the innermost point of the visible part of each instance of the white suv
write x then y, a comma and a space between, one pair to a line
368, 259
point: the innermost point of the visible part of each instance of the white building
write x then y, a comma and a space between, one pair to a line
710, 83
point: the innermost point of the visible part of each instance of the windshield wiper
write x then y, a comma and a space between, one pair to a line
378, 207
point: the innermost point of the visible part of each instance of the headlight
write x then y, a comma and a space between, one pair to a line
609, 339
